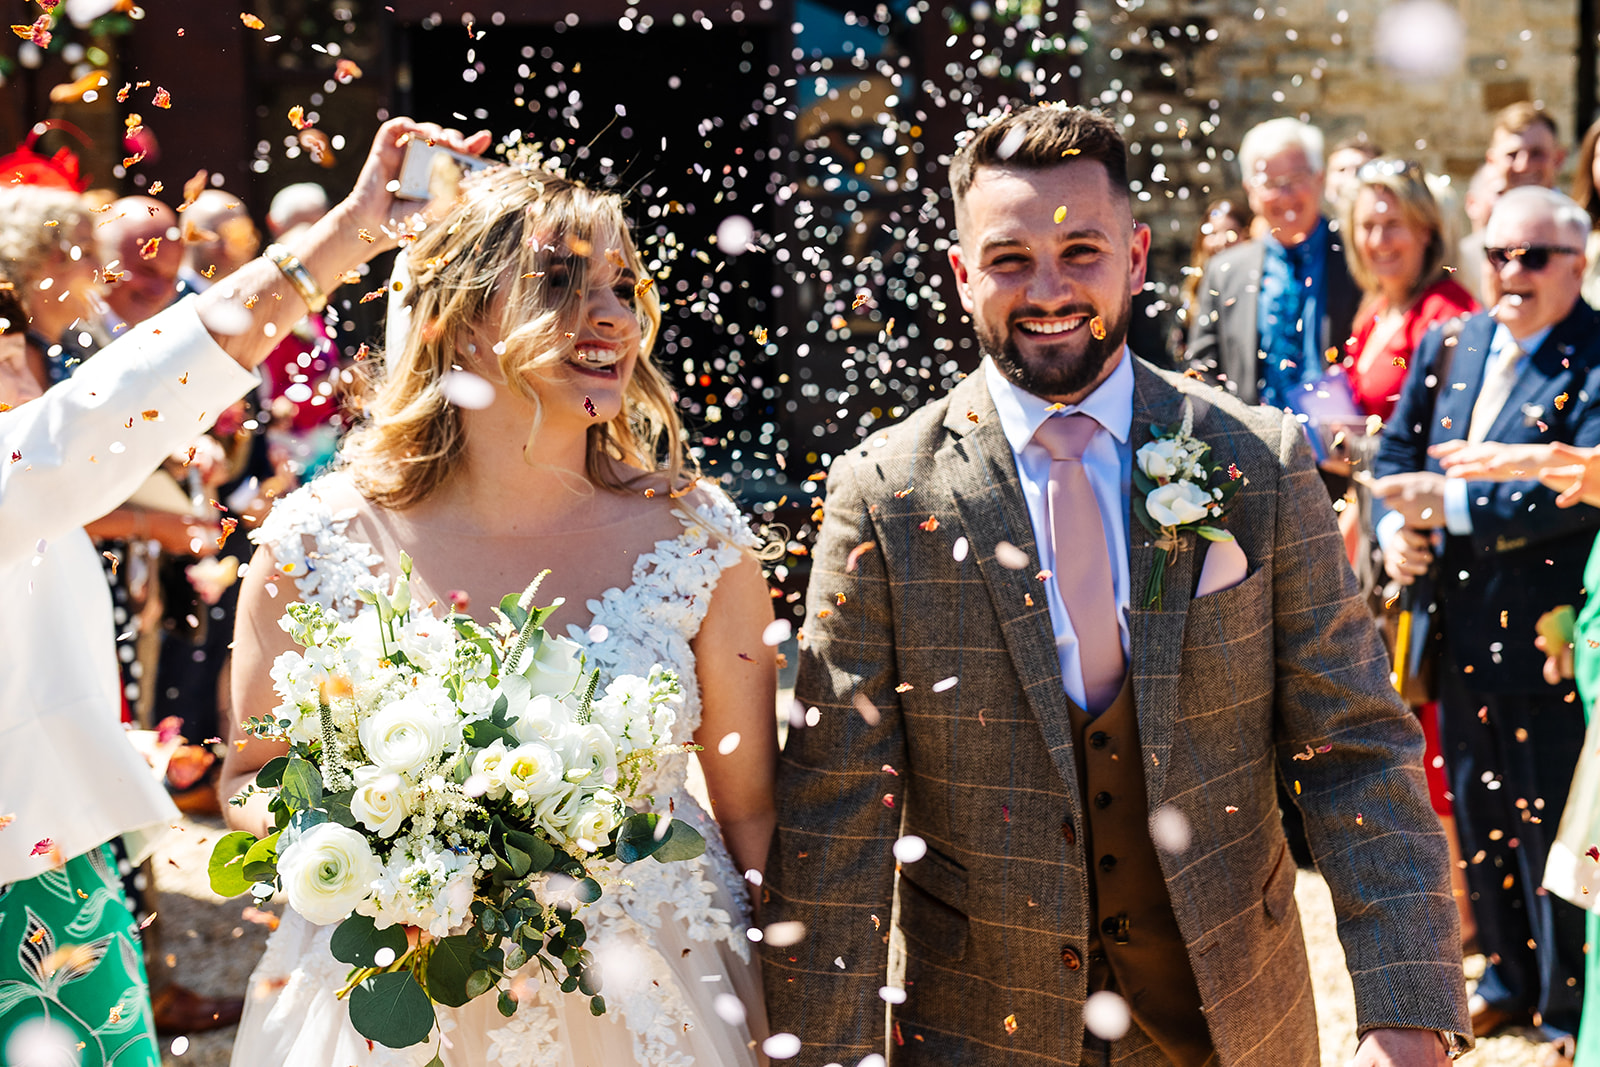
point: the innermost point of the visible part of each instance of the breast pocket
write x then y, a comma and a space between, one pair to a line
1229, 614
933, 901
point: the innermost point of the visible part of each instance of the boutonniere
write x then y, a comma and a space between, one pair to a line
1173, 476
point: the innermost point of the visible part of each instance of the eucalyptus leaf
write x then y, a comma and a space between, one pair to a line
478, 983
506, 1005
512, 610
683, 842
597, 1006
261, 862
540, 854
1213, 533
392, 1010
226, 867
636, 837
449, 967
338, 805
271, 773
358, 939
588, 890
302, 785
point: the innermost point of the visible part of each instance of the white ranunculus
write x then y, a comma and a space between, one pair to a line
540, 719
380, 801
1160, 459
597, 759
1177, 503
403, 736
490, 762
534, 768
595, 820
555, 811
327, 871
555, 671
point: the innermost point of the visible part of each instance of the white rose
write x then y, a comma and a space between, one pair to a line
1177, 503
555, 671
1160, 459
327, 871
403, 736
595, 821
490, 762
555, 811
597, 760
541, 719
534, 768
380, 801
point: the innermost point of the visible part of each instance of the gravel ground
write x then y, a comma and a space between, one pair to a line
213, 948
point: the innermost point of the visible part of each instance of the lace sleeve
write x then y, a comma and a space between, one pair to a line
716, 510
309, 543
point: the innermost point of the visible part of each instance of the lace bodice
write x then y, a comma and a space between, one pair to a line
651, 620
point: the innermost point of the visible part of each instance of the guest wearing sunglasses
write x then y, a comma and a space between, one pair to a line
1503, 554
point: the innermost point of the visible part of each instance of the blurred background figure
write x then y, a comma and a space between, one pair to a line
47, 246
1586, 191
1487, 183
140, 250
1344, 159
1525, 147
295, 206
1227, 223
218, 238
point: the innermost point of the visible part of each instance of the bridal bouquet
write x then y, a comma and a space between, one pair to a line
450, 794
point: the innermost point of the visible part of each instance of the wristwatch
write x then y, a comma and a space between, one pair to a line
1455, 1046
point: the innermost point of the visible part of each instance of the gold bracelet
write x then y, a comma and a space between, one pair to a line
287, 262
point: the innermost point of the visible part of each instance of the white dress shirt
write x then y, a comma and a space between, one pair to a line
1108, 461
67, 772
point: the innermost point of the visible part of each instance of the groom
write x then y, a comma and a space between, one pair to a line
1077, 788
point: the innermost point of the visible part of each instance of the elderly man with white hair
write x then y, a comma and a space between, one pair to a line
1497, 557
1271, 307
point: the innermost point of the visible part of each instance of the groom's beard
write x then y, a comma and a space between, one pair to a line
1055, 370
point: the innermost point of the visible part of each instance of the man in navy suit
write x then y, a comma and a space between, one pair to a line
1503, 554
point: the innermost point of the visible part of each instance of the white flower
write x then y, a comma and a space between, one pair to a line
380, 801
403, 736
541, 719
490, 763
555, 671
533, 767
1177, 503
555, 812
1161, 459
595, 820
327, 871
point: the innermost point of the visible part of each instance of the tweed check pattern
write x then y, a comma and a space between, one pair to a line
988, 928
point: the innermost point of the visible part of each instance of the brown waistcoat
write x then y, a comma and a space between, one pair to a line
1135, 946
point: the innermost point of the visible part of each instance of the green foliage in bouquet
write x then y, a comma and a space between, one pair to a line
450, 855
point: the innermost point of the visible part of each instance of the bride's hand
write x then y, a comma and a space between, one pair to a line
372, 208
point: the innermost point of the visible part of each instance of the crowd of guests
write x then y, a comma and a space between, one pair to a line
1448, 383
79, 267
1448, 376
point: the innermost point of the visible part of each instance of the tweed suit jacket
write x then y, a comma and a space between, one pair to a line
1224, 339
940, 713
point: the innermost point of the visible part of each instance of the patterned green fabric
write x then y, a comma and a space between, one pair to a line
1586, 667
72, 981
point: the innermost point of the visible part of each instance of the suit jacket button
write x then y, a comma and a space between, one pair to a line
1099, 738
1070, 959
1067, 833
1102, 800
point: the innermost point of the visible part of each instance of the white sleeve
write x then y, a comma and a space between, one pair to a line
81, 449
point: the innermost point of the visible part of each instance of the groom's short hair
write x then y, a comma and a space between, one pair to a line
1041, 136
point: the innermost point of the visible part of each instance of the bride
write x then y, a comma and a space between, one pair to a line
530, 292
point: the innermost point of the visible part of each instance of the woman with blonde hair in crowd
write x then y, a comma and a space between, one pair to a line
47, 248
1396, 250
520, 423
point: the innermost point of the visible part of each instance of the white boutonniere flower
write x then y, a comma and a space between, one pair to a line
1178, 487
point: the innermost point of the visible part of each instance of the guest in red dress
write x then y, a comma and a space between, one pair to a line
1396, 252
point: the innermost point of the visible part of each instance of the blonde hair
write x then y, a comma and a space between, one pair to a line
1407, 182
487, 263
38, 223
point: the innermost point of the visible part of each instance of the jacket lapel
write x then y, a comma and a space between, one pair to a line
1155, 637
1539, 383
1456, 397
989, 499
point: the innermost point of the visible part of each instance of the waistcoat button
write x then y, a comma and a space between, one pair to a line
1102, 800
1107, 862
1099, 738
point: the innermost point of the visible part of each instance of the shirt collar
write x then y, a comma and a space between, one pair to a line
1502, 340
1318, 234
1022, 413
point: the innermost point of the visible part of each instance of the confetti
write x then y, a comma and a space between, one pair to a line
42, 847
854, 559
38, 32
1561, 401
346, 71
588, 405
150, 249
251, 21
297, 118
7, 820
162, 99
931, 525
1097, 327
1011, 1020
1061, 215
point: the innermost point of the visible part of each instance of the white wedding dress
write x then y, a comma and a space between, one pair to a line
681, 983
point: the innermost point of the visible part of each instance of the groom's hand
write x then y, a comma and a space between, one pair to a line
1401, 1048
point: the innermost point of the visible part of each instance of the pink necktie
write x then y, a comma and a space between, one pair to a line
1082, 567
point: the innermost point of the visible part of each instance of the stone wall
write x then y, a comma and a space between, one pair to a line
1194, 75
